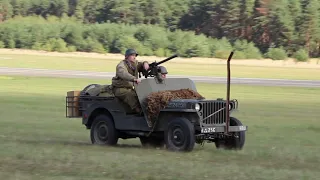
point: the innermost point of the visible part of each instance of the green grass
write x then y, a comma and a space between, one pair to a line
38, 142
174, 67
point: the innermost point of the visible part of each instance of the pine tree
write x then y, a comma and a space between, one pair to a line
246, 13
230, 19
6, 10
281, 24
309, 23
260, 30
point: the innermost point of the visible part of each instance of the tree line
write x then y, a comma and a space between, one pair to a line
209, 28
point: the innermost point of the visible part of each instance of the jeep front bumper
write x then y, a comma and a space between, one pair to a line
218, 129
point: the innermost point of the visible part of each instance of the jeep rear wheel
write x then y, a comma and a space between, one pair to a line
179, 136
233, 142
103, 131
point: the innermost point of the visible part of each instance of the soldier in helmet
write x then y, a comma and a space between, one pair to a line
162, 73
126, 74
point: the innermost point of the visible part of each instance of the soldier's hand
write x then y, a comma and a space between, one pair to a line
137, 81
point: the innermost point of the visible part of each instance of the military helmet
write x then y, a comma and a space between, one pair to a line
162, 70
131, 51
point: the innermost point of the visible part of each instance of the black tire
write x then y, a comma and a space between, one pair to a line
153, 142
179, 136
233, 143
103, 131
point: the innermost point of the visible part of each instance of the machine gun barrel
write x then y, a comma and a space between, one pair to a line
163, 61
153, 66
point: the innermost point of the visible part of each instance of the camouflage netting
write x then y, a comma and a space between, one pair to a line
159, 100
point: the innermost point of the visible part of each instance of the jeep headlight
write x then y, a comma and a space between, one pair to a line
197, 107
230, 106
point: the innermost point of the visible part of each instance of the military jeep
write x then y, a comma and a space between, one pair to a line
179, 126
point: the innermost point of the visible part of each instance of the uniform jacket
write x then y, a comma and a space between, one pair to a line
126, 72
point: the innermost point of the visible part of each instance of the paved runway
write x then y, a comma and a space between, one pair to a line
108, 75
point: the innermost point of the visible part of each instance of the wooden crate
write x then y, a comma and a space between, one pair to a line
73, 103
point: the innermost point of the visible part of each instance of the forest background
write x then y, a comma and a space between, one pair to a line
255, 29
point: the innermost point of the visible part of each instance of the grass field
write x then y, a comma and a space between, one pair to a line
38, 142
208, 67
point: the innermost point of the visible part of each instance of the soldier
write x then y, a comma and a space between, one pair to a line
127, 73
162, 73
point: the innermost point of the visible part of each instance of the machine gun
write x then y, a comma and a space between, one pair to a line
153, 67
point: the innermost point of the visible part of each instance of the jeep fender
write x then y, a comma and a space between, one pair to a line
92, 111
166, 116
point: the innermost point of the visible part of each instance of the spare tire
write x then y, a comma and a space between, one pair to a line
84, 91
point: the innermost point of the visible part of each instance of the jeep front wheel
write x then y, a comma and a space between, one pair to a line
236, 141
103, 131
179, 136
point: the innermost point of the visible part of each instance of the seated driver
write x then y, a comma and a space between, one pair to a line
126, 74
162, 73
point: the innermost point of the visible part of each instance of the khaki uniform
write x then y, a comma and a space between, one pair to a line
122, 83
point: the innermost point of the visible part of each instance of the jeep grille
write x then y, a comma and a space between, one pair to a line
216, 110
